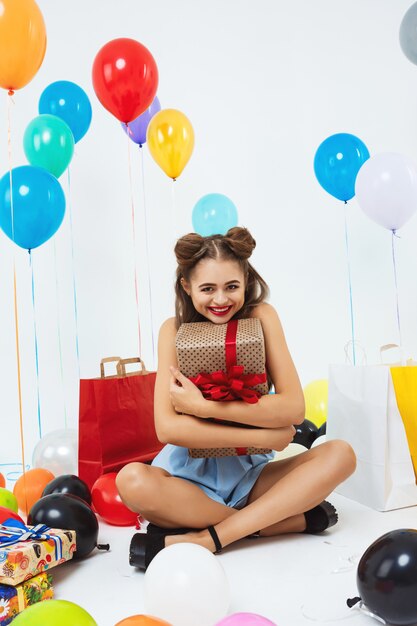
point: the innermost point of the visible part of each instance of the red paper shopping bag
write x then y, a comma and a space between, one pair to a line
116, 420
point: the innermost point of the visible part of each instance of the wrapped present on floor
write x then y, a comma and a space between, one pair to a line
29, 550
226, 362
13, 600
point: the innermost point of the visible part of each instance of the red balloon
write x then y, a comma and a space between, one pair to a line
125, 78
108, 503
7, 514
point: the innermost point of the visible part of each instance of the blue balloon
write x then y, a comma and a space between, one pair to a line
214, 214
38, 206
337, 162
69, 102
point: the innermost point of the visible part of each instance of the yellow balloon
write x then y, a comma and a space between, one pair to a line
315, 395
170, 138
22, 42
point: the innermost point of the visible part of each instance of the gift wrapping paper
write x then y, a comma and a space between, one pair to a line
26, 558
13, 600
227, 362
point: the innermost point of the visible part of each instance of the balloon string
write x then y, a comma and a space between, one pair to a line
19, 383
134, 242
350, 288
74, 288
16, 311
59, 337
36, 346
148, 258
393, 234
174, 209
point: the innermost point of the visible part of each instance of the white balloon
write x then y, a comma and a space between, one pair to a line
57, 452
386, 189
319, 440
186, 585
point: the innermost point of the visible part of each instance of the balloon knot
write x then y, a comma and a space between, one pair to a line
140, 145
345, 201
174, 180
103, 546
352, 601
10, 92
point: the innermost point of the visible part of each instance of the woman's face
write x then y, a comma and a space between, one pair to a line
217, 289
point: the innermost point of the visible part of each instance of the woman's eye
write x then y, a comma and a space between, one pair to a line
206, 289
233, 287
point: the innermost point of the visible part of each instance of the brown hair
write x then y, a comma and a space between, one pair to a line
237, 244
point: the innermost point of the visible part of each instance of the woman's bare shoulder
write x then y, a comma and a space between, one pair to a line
264, 312
168, 328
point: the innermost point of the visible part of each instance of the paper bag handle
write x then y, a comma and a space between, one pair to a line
350, 344
391, 346
121, 367
403, 360
108, 359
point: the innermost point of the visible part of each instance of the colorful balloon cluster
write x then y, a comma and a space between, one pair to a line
125, 79
32, 202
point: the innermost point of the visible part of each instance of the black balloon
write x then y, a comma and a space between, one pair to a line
68, 512
322, 430
305, 433
387, 577
68, 483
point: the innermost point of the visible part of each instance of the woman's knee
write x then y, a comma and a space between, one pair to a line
131, 479
342, 456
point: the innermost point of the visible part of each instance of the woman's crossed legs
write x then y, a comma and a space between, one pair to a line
283, 492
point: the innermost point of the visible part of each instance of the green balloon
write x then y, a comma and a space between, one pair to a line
8, 500
48, 142
54, 613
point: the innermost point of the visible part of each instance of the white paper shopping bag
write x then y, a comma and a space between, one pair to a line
363, 411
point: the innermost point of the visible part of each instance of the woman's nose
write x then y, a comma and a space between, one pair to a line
220, 298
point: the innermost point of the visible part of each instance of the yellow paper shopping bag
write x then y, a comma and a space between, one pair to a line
405, 386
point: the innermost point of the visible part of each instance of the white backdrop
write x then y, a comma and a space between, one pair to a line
263, 84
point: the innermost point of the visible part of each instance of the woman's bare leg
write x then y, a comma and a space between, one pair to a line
168, 501
283, 492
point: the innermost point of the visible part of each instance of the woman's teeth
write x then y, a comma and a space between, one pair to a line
220, 310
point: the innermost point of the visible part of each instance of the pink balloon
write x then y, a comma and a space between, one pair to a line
245, 619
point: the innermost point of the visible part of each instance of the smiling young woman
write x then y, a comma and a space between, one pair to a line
216, 501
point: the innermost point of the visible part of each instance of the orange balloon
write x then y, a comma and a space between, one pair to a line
142, 620
29, 487
22, 42
2, 481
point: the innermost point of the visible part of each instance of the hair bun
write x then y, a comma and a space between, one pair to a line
240, 242
188, 248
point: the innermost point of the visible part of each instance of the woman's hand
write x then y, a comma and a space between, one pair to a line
185, 396
277, 438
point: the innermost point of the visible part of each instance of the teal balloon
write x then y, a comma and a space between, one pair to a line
214, 214
337, 162
48, 142
54, 613
38, 206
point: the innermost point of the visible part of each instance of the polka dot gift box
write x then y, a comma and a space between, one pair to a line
226, 362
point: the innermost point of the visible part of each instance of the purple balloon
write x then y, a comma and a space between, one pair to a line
245, 619
136, 129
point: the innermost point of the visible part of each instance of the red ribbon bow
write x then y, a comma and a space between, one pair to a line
231, 385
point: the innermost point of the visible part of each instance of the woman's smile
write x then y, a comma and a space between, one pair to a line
219, 310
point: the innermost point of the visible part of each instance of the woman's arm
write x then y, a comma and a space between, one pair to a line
186, 430
284, 408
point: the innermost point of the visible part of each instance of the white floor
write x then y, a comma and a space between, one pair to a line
292, 580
